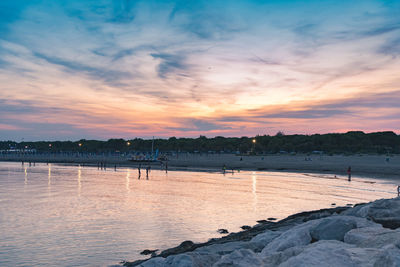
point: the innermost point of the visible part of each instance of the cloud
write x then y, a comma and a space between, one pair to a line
170, 63
201, 19
112, 77
157, 67
199, 125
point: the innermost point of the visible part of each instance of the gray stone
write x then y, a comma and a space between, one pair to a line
389, 257
227, 248
373, 237
332, 229
239, 258
383, 211
191, 259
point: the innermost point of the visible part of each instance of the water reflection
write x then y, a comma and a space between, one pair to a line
79, 180
128, 173
26, 176
110, 224
49, 178
254, 191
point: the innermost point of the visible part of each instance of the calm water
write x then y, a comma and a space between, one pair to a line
82, 216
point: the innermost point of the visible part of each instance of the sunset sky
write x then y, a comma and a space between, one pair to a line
73, 69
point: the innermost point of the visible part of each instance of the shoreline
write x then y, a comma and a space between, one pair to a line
245, 235
376, 166
355, 231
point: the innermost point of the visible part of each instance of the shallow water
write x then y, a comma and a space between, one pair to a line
82, 216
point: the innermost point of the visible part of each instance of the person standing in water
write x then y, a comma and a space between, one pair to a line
139, 171
349, 173
147, 171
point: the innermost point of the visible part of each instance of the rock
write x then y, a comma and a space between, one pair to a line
245, 227
383, 211
333, 227
191, 259
272, 219
239, 258
261, 240
373, 237
297, 236
330, 253
222, 231
389, 222
153, 262
365, 235
148, 251
226, 248
183, 247
317, 215
389, 257
333, 204
276, 258
359, 235
262, 221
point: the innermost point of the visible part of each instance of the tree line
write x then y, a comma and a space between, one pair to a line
332, 143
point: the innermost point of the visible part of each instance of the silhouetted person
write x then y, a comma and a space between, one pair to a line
115, 167
398, 191
166, 166
349, 173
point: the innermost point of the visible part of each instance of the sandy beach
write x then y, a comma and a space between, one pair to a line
369, 165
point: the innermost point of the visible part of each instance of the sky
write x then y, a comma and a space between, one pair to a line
97, 69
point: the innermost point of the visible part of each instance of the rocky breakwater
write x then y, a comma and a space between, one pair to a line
364, 235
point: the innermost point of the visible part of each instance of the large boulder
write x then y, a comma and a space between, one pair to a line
329, 228
276, 258
383, 211
332, 229
331, 253
239, 258
373, 237
261, 240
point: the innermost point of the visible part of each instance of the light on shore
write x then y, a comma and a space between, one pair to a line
80, 144
254, 141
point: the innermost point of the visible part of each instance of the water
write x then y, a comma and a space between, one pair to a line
82, 216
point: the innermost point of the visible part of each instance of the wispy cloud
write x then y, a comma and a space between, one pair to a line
144, 68
170, 64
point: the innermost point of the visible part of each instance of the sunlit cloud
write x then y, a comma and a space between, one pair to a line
100, 69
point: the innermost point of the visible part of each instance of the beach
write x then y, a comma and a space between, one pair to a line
361, 164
